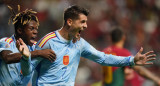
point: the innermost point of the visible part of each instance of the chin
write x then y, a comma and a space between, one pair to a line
30, 44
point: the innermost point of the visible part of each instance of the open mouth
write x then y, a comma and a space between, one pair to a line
80, 31
33, 39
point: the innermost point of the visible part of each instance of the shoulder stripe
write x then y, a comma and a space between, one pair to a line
9, 40
6, 39
46, 38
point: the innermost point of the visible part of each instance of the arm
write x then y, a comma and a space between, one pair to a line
45, 53
26, 57
6, 53
147, 74
9, 57
110, 60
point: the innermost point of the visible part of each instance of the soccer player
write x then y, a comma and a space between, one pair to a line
64, 69
26, 27
115, 76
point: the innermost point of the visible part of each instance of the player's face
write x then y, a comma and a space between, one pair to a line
30, 33
77, 26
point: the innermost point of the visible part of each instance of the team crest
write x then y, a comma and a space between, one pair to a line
7, 46
66, 60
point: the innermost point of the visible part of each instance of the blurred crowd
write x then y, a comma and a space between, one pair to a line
140, 19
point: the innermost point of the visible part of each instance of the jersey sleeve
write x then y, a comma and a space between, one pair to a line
91, 53
30, 65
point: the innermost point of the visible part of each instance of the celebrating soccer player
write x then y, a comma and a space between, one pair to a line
26, 28
63, 71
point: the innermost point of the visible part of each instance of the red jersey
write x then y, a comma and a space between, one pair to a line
114, 76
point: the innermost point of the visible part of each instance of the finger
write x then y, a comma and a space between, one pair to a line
17, 44
49, 59
149, 56
151, 59
52, 57
149, 63
22, 50
53, 54
21, 41
141, 50
149, 52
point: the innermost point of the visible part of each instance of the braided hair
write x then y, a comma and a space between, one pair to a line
20, 19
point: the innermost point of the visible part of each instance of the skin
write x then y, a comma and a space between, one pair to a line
74, 28
29, 33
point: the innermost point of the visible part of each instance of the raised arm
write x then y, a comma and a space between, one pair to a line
26, 57
26, 64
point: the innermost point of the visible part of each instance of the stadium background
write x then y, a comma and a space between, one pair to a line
140, 19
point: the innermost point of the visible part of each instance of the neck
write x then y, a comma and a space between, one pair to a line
17, 37
64, 33
119, 44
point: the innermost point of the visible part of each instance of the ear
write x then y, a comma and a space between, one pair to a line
69, 22
19, 30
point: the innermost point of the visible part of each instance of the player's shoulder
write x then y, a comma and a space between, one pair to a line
3, 39
81, 42
46, 38
126, 51
8, 40
107, 49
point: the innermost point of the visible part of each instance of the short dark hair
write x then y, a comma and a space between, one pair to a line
74, 11
22, 18
116, 35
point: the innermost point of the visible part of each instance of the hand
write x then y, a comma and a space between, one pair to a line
48, 54
143, 59
22, 47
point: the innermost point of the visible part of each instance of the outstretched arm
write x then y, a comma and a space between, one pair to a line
147, 74
91, 53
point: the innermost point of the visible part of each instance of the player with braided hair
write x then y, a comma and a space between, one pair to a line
26, 29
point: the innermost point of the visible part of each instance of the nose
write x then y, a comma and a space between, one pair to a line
35, 31
85, 26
